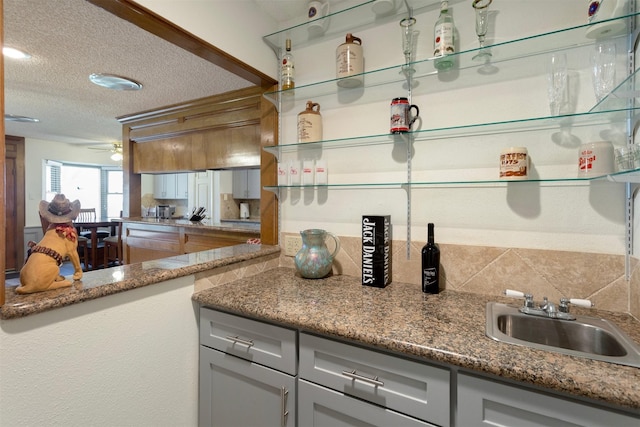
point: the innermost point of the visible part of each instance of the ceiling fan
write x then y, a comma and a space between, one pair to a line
115, 148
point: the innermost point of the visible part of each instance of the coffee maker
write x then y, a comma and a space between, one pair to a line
165, 211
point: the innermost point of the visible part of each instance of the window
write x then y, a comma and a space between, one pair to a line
94, 186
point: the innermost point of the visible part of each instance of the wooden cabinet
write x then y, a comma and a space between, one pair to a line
391, 385
241, 383
171, 186
146, 241
246, 184
484, 402
221, 131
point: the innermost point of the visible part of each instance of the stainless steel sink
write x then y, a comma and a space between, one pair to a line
586, 336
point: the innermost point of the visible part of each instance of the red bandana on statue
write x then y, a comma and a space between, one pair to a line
68, 231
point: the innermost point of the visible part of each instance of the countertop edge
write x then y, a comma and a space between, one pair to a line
113, 280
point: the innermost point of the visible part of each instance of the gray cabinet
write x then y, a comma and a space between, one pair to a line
484, 402
390, 384
246, 184
171, 186
247, 372
322, 407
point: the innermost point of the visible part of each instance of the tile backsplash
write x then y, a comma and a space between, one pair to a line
491, 270
230, 207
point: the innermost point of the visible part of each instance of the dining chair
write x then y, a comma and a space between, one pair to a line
113, 247
89, 215
83, 244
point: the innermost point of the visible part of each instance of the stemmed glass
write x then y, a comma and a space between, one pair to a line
557, 82
604, 69
409, 39
482, 25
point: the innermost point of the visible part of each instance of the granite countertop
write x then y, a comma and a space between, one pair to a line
447, 328
100, 283
244, 226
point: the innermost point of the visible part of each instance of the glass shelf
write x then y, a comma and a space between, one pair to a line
601, 116
525, 49
343, 21
631, 176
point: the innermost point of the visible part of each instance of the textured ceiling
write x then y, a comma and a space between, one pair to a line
69, 40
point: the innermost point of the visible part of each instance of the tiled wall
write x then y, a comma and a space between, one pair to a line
230, 207
220, 276
491, 270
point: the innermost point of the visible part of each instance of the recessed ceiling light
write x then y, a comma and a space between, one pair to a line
111, 81
21, 119
15, 53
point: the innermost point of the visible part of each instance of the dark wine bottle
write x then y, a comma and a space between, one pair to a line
430, 264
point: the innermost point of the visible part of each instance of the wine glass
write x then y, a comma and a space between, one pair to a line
482, 24
603, 69
557, 82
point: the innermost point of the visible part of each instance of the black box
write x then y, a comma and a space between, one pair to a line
376, 250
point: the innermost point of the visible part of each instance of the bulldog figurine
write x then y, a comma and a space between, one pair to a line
41, 272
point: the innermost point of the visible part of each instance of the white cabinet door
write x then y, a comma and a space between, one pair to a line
240, 184
321, 407
237, 392
484, 402
171, 186
182, 186
246, 184
160, 186
253, 184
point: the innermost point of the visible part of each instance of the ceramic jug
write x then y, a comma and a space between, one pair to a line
314, 260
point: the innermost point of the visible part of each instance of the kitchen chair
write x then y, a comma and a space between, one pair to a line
113, 248
89, 215
83, 244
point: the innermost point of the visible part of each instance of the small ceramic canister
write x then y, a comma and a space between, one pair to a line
514, 163
350, 62
595, 158
310, 123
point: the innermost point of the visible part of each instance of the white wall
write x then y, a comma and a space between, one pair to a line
126, 359
36, 153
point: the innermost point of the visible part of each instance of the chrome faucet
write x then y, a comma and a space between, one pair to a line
547, 308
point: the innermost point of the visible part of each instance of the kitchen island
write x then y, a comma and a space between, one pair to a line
146, 239
446, 329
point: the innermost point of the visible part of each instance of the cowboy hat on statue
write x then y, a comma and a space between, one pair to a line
41, 271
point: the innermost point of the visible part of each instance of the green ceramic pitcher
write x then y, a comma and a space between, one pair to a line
313, 260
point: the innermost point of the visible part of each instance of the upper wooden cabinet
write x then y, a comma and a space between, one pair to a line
221, 131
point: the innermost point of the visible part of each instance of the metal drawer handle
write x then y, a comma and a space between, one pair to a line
236, 339
283, 406
352, 374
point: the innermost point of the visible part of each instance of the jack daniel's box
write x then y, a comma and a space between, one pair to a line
376, 250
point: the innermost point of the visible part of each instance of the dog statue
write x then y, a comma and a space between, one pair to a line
41, 272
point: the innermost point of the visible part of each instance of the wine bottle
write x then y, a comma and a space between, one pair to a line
443, 38
430, 264
287, 68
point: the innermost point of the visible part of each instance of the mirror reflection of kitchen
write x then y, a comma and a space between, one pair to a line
220, 196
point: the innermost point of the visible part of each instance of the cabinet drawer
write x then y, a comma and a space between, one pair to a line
485, 402
255, 341
320, 407
409, 387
